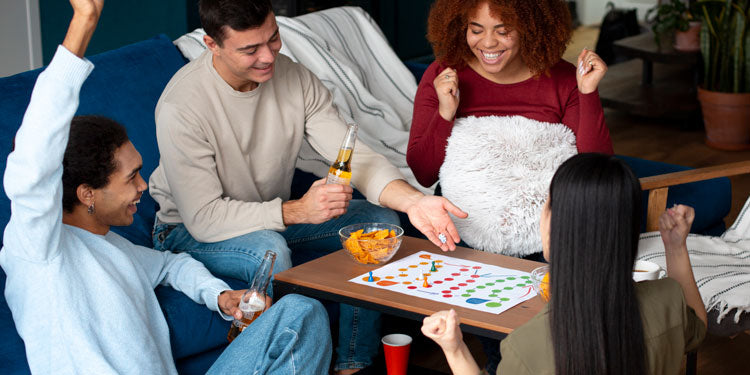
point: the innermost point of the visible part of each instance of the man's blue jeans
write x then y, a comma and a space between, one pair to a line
292, 337
239, 257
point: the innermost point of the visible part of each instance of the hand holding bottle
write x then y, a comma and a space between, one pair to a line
253, 300
229, 302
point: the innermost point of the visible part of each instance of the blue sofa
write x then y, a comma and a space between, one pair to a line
125, 86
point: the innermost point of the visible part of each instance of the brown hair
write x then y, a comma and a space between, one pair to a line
544, 29
238, 15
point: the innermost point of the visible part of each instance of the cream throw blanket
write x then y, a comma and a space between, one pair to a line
498, 170
721, 265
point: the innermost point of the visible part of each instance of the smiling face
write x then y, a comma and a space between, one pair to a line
246, 58
115, 203
495, 46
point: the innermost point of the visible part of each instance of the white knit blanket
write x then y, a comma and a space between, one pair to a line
721, 265
498, 170
347, 51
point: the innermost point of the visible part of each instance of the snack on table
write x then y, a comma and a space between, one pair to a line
544, 287
540, 279
378, 244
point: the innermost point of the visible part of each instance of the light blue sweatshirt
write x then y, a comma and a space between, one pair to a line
83, 303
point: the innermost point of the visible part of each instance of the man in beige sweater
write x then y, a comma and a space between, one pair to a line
230, 125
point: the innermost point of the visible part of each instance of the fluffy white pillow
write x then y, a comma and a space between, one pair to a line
498, 169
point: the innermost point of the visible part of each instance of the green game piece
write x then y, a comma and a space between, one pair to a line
466, 295
493, 304
505, 299
493, 295
480, 287
433, 269
511, 278
496, 290
470, 291
508, 288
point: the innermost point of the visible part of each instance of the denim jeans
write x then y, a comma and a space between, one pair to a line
292, 337
239, 257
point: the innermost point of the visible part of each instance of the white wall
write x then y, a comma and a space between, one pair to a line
20, 36
592, 11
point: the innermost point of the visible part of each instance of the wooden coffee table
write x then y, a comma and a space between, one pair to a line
328, 278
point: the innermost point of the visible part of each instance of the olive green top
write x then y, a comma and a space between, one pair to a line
670, 329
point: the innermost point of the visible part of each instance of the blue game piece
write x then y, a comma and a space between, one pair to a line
370, 279
433, 269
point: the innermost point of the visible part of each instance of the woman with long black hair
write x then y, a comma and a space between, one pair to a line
598, 320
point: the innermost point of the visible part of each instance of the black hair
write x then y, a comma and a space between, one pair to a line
238, 15
595, 208
90, 155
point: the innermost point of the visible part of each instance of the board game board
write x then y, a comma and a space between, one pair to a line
455, 281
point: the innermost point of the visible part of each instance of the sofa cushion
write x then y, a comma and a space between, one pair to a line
193, 328
125, 86
711, 199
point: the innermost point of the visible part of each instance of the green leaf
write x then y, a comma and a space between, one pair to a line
725, 44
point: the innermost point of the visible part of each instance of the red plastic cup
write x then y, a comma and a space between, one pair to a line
396, 348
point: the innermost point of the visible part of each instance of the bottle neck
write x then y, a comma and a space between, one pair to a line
349, 139
264, 272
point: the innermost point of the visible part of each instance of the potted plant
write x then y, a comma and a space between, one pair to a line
674, 19
725, 92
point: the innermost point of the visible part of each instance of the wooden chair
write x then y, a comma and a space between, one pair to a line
658, 186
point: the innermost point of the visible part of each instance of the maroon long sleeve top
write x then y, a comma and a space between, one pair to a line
552, 98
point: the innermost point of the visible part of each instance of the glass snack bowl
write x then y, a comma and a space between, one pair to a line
540, 282
371, 243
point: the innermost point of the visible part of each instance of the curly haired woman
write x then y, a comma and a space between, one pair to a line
504, 58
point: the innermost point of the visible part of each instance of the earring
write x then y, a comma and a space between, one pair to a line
91, 209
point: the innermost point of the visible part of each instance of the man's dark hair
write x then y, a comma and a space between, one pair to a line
239, 15
90, 155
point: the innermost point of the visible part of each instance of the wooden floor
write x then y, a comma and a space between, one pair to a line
670, 141
675, 142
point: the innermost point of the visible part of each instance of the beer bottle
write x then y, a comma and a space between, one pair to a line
341, 170
253, 301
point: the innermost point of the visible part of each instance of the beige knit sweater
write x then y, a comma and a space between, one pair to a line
228, 157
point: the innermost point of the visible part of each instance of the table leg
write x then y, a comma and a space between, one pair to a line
648, 73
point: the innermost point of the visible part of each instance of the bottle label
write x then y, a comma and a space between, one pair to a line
339, 177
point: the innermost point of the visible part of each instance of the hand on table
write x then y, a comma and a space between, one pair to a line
430, 216
589, 71
446, 88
